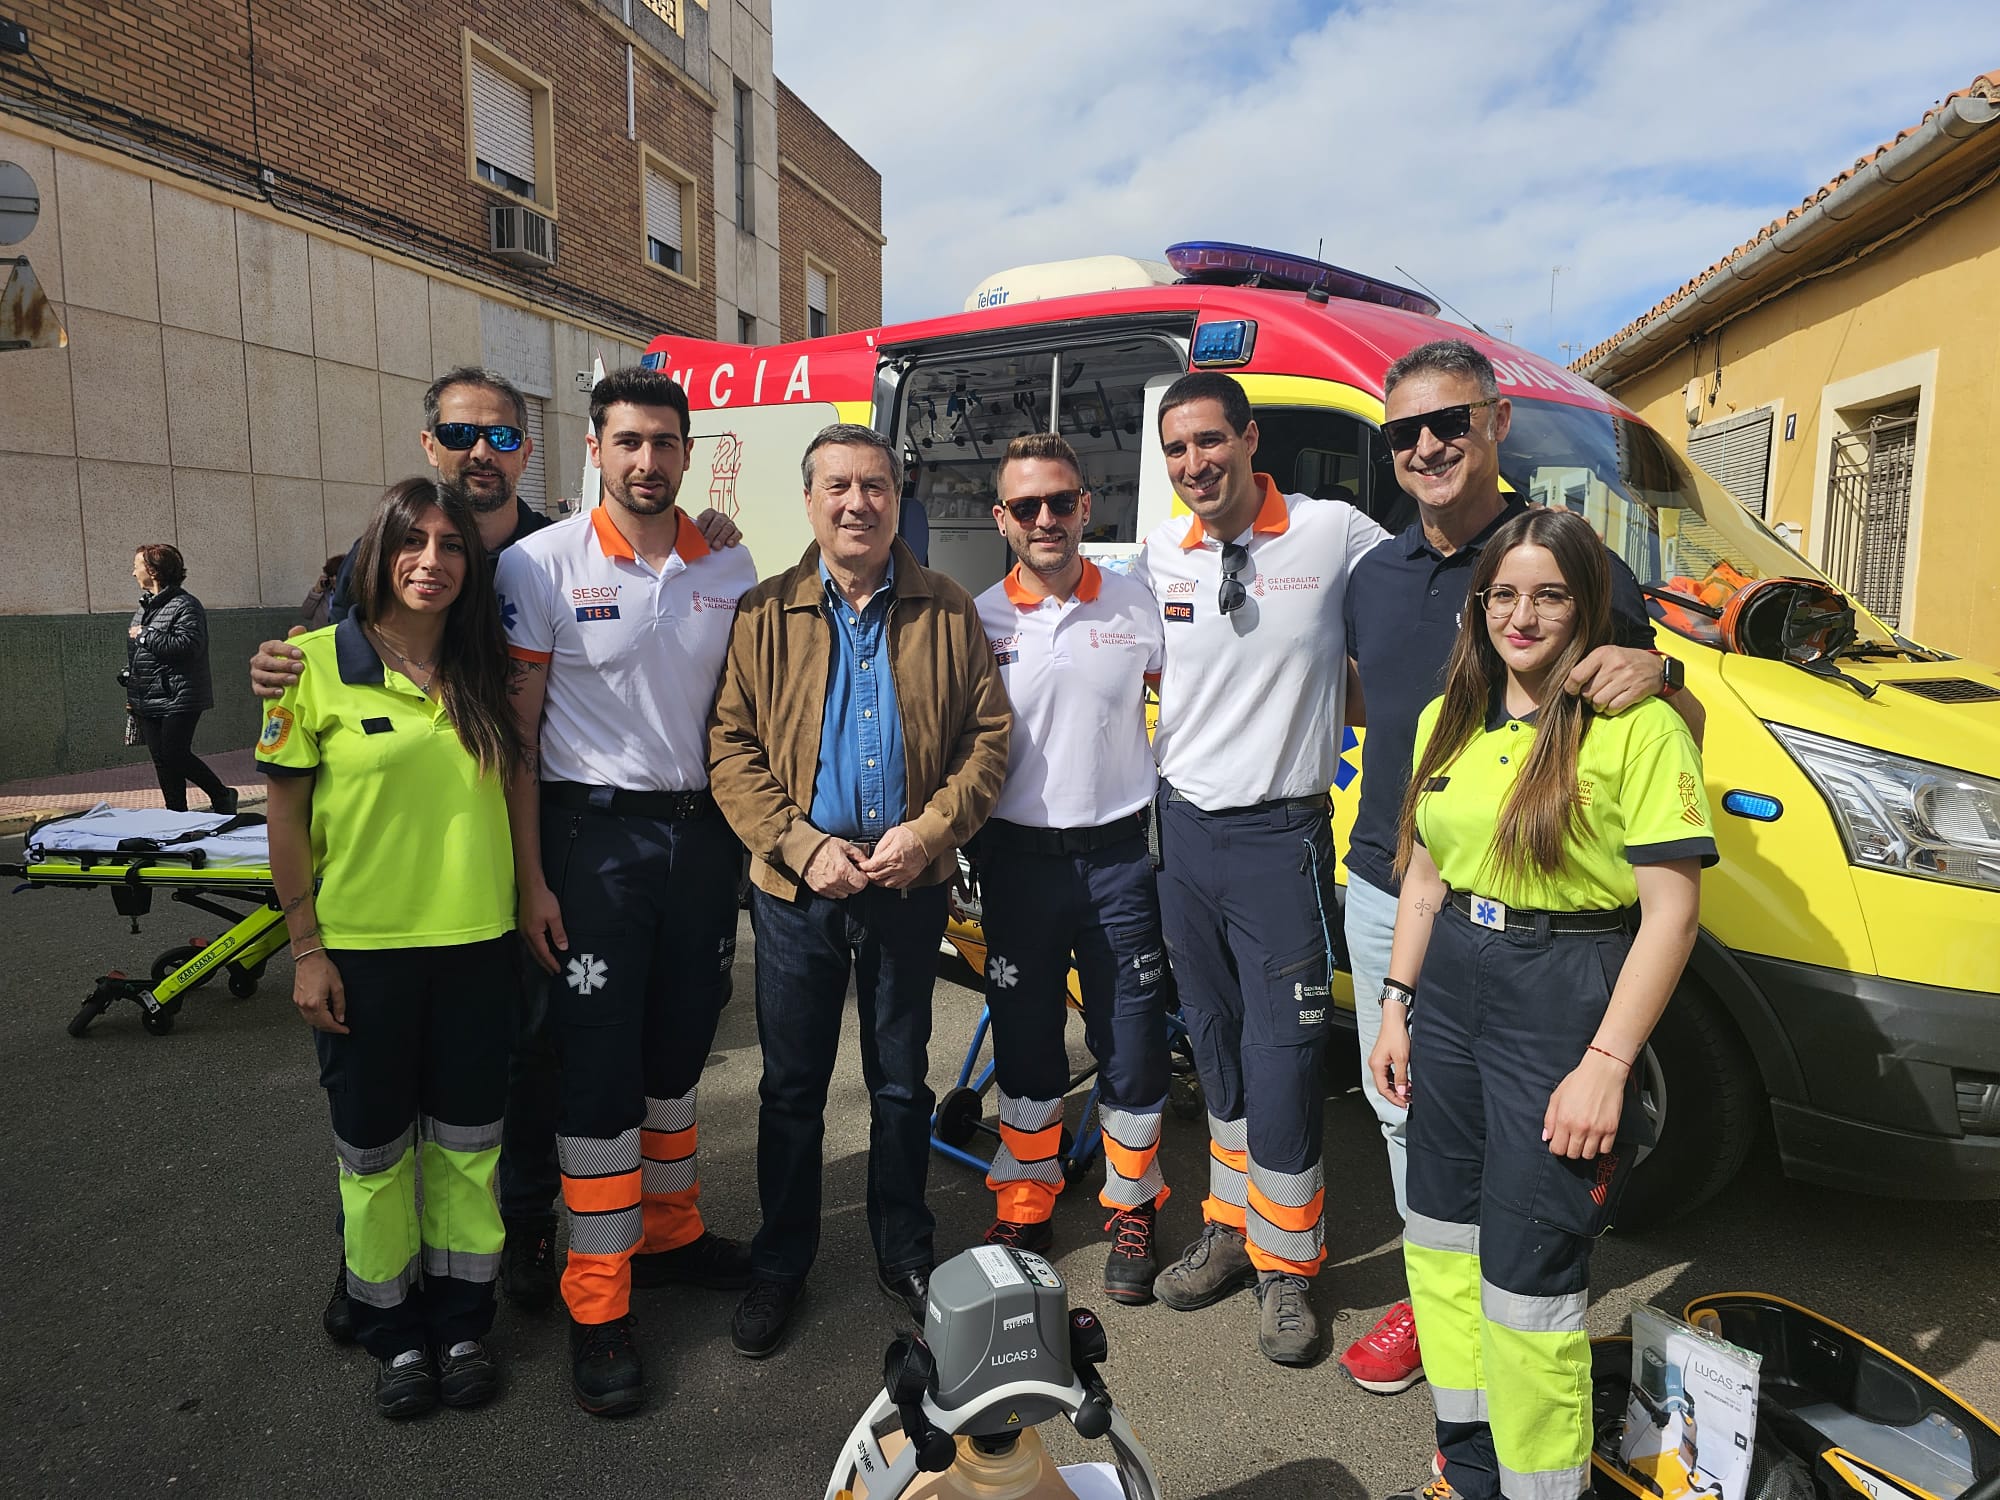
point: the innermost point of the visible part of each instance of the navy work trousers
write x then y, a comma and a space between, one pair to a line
807, 949
528, 1179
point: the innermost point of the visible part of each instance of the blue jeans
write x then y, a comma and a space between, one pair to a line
1371, 929
806, 950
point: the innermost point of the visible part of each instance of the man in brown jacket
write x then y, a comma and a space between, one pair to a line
860, 737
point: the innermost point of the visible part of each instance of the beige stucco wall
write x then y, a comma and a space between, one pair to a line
237, 383
1921, 315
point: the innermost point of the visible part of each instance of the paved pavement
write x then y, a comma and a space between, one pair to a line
167, 1234
22, 802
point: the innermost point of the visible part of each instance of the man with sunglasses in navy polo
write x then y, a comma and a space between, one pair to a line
1444, 424
1250, 588
475, 436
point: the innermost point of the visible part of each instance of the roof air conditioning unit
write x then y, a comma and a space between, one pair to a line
521, 236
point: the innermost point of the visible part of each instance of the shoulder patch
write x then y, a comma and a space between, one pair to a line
277, 729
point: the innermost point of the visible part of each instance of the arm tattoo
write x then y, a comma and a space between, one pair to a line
1427, 907
518, 673
296, 902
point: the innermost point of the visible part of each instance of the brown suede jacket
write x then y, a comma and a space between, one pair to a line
763, 739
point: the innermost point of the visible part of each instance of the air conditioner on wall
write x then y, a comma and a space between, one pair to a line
521, 236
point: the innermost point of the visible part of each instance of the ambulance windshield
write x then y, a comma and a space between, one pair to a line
1687, 540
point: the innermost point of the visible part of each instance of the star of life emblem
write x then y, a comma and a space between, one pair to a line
1489, 913
1003, 974
587, 973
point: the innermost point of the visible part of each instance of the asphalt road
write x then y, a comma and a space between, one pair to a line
165, 1208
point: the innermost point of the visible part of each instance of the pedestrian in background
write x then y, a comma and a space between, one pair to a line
166, 681
387, 762
314, 608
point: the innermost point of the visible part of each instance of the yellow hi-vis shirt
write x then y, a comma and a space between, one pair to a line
409, 839
1638, 783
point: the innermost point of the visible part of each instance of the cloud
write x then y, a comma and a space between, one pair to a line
1479, 143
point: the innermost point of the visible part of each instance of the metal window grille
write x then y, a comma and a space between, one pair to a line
817, 303
534, 487
1737, 454
663, 219
1868, 512
503, 129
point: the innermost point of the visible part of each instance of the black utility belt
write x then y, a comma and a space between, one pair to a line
1020, 838
1484, 911
670, 807
1314, 802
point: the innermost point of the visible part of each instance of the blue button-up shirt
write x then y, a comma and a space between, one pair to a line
1403, 605
861, 785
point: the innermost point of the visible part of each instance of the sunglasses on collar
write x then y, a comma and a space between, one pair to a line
461, 437
1447, 424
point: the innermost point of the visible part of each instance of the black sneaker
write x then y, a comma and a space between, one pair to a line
758, 1325
338, 1316
713, 1261
609, 1380
528, 1262
1130, 1267
406, 1386
1039, 1236
466, 1376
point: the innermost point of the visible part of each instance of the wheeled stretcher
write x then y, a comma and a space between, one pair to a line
216, 864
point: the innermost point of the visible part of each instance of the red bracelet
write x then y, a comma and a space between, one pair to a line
1612, 1055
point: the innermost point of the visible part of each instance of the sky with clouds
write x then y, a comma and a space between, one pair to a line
1477, 143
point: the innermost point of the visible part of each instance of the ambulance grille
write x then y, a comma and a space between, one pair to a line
1949, 690
1978, 1102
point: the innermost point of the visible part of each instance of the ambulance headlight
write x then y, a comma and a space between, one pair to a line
1906, 816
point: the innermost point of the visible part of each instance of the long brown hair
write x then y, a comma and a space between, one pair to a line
1541, 811
472, 657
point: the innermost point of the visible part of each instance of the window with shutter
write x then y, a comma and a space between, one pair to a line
818, 303
663, 219
503, 129
1737, 455
535, 477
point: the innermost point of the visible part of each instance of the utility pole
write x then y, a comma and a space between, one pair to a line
1554, 272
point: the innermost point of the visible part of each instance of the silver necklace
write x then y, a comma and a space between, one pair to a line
428, 668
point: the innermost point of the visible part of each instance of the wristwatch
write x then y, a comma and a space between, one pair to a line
1673, 676
1396, 990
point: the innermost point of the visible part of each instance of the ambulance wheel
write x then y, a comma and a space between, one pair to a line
241, 984
1698, 1082
958, 1117
173, 958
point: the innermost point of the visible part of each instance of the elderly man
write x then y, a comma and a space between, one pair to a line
860, 736
1063, 866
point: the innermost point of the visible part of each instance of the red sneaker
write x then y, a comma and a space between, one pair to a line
1385, 1360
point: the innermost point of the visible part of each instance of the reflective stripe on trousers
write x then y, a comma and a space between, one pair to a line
1027, 1170
601, 1188
669, 1181
1131, 1156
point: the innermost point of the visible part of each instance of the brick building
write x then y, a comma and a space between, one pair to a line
267, 227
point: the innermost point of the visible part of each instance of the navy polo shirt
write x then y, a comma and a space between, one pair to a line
1404, 600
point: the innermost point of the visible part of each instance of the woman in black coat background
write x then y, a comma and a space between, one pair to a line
166, 677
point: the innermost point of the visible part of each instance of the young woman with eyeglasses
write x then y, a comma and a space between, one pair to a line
1550, 859
390, 852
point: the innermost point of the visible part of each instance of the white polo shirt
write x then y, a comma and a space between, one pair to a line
1251, 702
1075, 673
634, 656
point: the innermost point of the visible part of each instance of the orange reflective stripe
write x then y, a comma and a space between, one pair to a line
1264, 1260
1129, 1161
1032, 1145
597, 1288
597, 1195
1024, 1202
671, 1219
667, 1145
1235, 1160
1215, 1211
1299, 1220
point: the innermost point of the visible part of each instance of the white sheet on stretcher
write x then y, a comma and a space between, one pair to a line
103, 828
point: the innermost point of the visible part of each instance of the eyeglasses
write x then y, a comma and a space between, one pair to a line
461, 437
1235, 558
1550, 604
1029, 509
1447, 424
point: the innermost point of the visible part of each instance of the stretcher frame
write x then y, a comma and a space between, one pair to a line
242, 896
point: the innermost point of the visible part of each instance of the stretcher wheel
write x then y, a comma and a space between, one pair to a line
1184, 1096
173, 958
89, 1011
1074, 1171
242, 984
958, 1117
160, 1022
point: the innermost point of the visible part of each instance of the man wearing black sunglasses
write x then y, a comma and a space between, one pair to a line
1250, 589
1063, 868
1445, 420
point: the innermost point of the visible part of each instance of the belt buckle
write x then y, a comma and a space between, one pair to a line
1488, 913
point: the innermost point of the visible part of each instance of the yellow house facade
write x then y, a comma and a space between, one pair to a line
1840, 375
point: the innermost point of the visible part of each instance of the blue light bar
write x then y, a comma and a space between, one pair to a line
1754, 805
1224, 344
653, 361
1218, 261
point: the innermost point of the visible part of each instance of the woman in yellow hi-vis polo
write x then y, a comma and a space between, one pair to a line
387, 761
1551, 863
